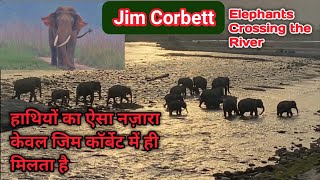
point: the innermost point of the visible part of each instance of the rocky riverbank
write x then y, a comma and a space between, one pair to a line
298, 163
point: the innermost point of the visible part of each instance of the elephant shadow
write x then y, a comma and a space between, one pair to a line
174, 116
231, 118
251, 118
287, 117
132, 106
212, 109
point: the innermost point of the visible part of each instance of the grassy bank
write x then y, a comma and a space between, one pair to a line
21, 44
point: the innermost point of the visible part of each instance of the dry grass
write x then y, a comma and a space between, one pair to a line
21, 44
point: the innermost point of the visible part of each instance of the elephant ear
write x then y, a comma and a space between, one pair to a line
79, 23
49, 20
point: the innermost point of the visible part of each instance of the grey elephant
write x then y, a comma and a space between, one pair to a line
199, 82
188, 83
211, 97
286, 106
64, 26
63, 94
181, 90
119, 91
26, 85
177, 106
223, 82
250, 105
172, 97
85, 89
229, 105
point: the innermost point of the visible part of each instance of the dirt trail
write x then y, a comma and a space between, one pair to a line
76, 64
196, 145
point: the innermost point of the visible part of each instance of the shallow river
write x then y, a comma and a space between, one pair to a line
193, 146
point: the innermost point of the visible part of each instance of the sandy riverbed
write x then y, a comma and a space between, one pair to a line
193, 146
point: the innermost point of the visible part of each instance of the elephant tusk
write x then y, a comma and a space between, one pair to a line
55, 41
65, 42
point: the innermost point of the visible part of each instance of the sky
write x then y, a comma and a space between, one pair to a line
31, 11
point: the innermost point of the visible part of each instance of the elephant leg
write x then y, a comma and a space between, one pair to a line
64, 59
54, 56
201, 102
127, 99
72, 46
91, 98
241, 113
60, 59
170, 112
230, 113
32, 93
281, 114
291, 113
85, 100
251, 113
225, 113
256, 112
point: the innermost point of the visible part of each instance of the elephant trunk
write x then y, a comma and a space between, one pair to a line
187, 110
262, 110
297, 110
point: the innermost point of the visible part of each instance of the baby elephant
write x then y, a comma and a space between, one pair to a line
119, 91
172, 97
62, 94
229, 105
26, 85
177, 106
250, 105
180, 90
88, 88
188, 83
286, 106
199, 82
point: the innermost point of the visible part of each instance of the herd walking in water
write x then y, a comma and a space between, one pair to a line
174, 101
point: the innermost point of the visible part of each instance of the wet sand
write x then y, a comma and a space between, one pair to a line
197, 144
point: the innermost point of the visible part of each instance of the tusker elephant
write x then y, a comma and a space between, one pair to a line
229, 105
188, 83
199, 82
64, 26
88, 88
211, 97
172, 97
285, 106
119, 91
62, 94
177, 106
250, 105
180, 90
223, 82
26, 85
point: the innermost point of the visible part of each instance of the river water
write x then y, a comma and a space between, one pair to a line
194, 145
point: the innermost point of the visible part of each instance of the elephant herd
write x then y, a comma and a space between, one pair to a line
218, 94
84, 89
174, 101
